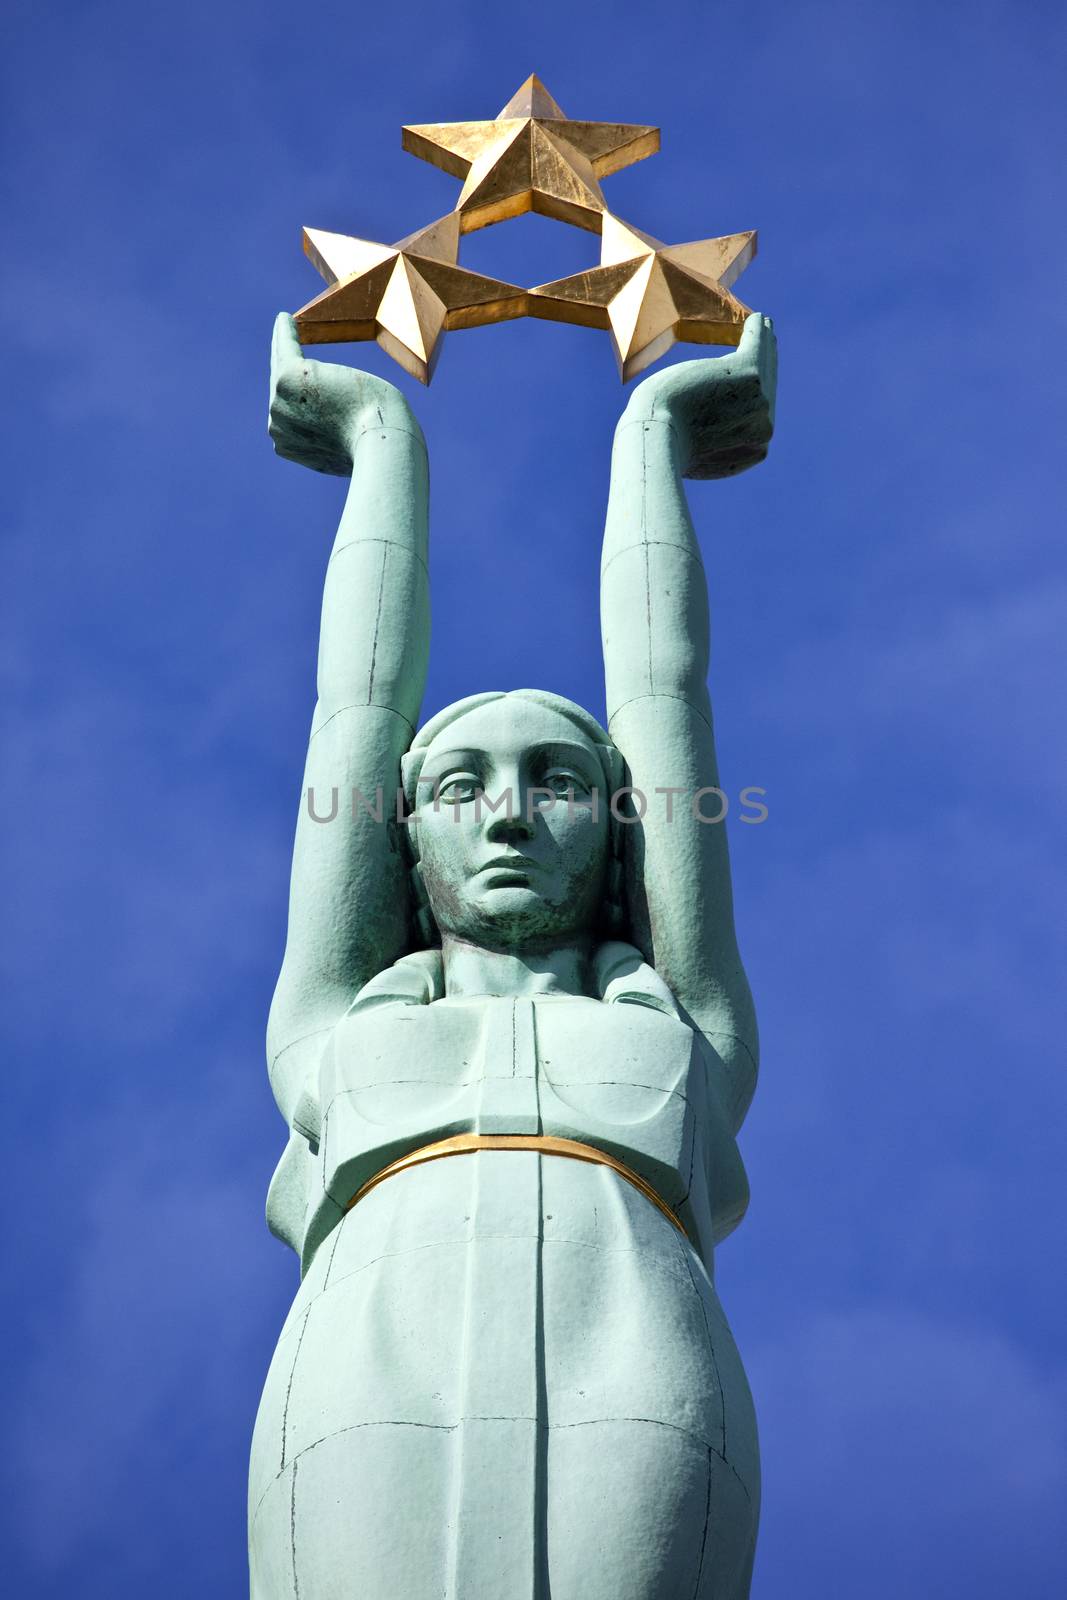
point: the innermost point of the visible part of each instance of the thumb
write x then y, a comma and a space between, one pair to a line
284, 347
752, 335
758, 354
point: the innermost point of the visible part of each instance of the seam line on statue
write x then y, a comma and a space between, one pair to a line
722, 1033
304, 1037
692, 1164
451, 1427
389, 427
704, 1535
329, 1266
289, 1385
655, 1422
666, 422
654, 1257
658, 694
514, 1040
377, 622
549, 1427
645, 561
292, 1534
362, 705
644, 544
294, 1461
711, 1352
361, 544
554, 1083
347, 1205
544, 1426
643, 422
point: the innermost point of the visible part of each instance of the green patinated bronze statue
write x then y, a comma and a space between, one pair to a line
514, 1042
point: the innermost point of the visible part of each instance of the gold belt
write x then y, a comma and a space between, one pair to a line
462, 1144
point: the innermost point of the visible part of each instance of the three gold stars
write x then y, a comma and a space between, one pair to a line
530, 158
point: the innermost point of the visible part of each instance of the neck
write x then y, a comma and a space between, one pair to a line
472, 970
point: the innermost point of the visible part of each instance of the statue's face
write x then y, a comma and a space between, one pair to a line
530, 880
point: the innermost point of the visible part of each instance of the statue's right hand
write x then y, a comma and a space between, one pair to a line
319, 409
722, 409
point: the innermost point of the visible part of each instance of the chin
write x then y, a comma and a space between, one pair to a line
515, 915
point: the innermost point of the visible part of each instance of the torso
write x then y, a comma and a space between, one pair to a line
514, 1344
625, 1078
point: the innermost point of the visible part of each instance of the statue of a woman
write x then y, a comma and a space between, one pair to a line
506, 1372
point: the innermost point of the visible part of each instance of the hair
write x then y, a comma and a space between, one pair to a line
613, 911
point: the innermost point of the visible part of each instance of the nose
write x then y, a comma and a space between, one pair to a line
510, 830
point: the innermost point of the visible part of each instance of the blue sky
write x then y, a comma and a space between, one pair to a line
888, 596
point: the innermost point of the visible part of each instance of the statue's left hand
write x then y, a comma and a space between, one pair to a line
721, 409
318, 409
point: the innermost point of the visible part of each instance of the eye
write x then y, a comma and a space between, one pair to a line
566, 784
458, 788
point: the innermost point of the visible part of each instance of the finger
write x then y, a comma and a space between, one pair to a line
768, 369
284, 345
757, 355
752, 336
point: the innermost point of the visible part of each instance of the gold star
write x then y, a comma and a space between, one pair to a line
649, 294
531, 158
403, 295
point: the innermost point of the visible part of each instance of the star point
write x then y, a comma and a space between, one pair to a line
532, 99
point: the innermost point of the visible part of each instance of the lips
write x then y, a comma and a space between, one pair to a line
514, 869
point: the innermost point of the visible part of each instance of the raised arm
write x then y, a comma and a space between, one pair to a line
698, 419
348, 904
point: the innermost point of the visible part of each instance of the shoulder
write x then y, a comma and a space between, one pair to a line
416, 979
623, 976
